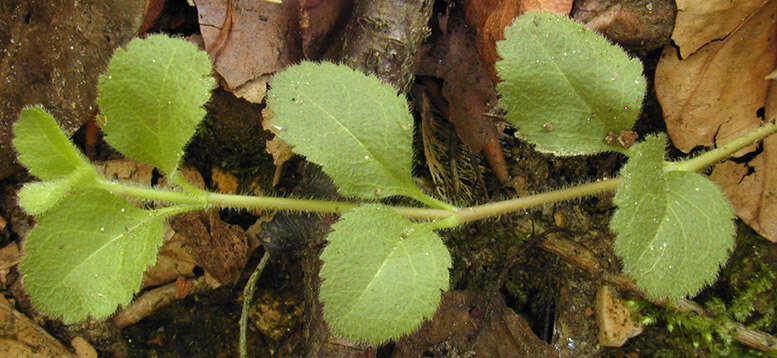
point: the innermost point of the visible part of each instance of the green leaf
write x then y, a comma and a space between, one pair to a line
674, 229
38, 197
43, 148
565, 87
152, 98
383, 275
87, 255
357, 128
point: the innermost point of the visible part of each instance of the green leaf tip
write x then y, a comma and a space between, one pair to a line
87, 255
382, 275
357, 128
42, 146
674, 229
565, 87
38, 197
152, 98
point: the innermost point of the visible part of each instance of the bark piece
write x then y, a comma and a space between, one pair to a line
51, 52
21, 337
383, 38
713, 96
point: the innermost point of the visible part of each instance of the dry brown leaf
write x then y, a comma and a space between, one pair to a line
702, 21
83, 348
173, 261
752, 187
468, 90
713, 96
490, 17
219, 248
263, 39
10, 255
462, 324
640, 26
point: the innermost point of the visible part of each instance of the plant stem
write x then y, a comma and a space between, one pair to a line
718, 154
507, 206
446, 215
248, 295
255, 202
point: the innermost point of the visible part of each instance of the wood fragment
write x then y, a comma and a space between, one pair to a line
150, 301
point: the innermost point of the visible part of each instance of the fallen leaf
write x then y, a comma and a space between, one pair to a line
83, 348
468, 90
219, 248
173, 261
263, 39
10, 255
752, 187
490, 17
462, 324
639, 26
700, 22
713, 95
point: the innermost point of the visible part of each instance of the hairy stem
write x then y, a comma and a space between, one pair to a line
446, 215
718, 154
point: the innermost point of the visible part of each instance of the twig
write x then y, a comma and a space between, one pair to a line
153, 300
248, 294
584, 259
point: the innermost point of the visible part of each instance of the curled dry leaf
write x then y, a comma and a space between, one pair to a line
263, 39
713, 95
